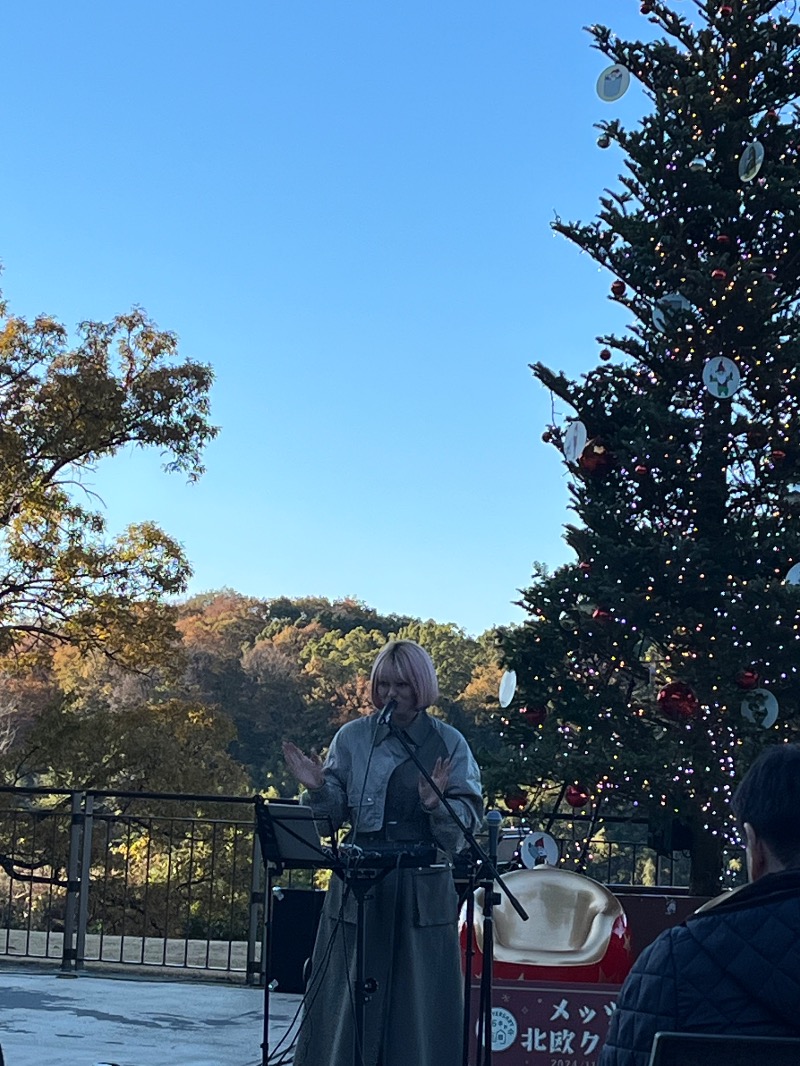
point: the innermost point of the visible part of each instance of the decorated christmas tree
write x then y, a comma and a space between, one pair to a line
656, 665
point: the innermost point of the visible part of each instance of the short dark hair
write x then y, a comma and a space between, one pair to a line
769, 799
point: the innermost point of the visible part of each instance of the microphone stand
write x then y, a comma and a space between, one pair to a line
488, 865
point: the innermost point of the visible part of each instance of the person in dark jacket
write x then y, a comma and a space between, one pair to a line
734, 966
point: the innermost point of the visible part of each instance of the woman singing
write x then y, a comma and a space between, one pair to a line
370, 782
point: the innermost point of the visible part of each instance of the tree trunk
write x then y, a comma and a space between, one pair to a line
706, 855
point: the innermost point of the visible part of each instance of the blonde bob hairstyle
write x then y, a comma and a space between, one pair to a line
403, 660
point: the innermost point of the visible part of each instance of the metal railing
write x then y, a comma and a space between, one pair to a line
90, 878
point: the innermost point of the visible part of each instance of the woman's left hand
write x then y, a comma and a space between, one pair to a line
441, 777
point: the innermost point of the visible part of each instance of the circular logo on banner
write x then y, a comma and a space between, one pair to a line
538, 849
793, 575
574, 442
760, 707
721, 377
613, 83
504, 1029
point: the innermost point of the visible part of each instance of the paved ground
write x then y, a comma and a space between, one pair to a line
51, 1020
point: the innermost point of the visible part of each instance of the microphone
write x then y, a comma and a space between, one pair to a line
385, 717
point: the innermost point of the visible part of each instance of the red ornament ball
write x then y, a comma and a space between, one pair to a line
534, 715
748, 679
719, 275
586, 567
595, 457
723, 239
777, 455
605, 354
618, 288
600, 614
726, 11
516, 800
576, 796
645, 9
640, 470
677, 701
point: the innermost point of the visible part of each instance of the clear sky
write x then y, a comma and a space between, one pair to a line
344, 207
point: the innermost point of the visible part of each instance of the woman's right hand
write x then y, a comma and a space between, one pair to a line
306, 768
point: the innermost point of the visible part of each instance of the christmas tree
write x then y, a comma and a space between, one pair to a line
656, 665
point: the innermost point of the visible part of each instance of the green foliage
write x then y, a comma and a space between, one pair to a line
686, 532
63, 409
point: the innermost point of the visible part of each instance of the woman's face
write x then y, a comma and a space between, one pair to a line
391, 686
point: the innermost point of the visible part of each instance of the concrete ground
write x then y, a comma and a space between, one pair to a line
49, 1019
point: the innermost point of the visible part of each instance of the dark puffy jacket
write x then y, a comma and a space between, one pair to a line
733, 968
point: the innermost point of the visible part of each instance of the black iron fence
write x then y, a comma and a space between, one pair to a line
92, 878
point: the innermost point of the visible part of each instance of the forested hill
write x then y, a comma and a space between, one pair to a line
241, 674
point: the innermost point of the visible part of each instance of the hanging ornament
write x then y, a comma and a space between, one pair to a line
725, 11
576, 796
719, 275
515, 799
600, 614
508, 686
721, 377
534, 715
604, 141
747, 679
641, 471
698, 165
761, 708
757, 436
677, 701
668, 309
595, 457
751, 160
574, 442
568, 620
777, 455
793, 576
585, 567
723, 240
618, 288
613, 83
605, 354
645, 9
539, 849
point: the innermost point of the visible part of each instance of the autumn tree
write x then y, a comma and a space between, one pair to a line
64, 407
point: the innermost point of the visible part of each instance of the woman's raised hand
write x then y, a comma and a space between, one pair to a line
441, 778
306, 768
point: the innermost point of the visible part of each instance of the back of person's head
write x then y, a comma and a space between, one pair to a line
404, 660
769, 799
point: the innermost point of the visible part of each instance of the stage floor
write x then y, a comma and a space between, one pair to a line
50, 1020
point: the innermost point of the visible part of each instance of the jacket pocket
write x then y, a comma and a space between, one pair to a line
435, 897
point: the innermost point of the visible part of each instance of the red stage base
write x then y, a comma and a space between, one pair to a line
546, 1024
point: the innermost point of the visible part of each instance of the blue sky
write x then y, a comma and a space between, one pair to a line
344, 206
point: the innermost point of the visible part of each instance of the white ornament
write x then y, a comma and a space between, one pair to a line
508, 686
751, 160
538, 849
721, 377
667, 308
760, 707
574, 442
613, 83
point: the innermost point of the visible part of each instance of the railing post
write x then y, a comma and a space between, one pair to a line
254, 965
83, 890
73, 883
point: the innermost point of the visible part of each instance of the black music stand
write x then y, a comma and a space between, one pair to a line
289, 840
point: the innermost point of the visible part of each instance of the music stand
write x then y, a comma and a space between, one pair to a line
289, 839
